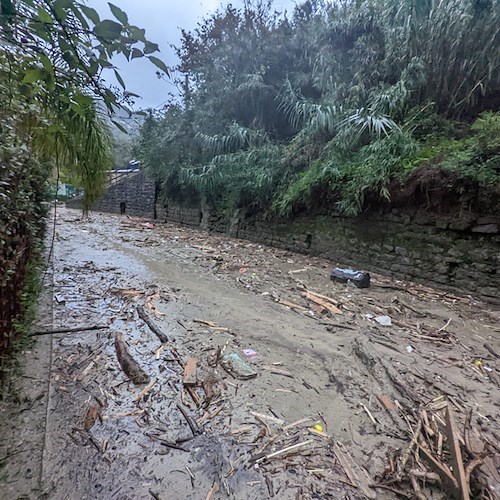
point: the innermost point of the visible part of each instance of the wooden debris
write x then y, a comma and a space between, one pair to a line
192, 424
213, 490
443, 470
85, 371
69, 330
90, 417
242, 430
269, 418
189, 376
152, 307
322, 434
302, 421
174, 446
445, 326
369, 413
132, 293
205, 323
158, 351
456, 456
154, 328
491, 350
133, 413
349, 466
386, 402
322, 300
146, 390
285, 450
292, 305
129, 365
277, 371
208, 385
192, 392
409, 451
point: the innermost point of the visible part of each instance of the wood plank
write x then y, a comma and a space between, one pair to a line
456, 456
322, 301
189, 377
449, 482
386, 402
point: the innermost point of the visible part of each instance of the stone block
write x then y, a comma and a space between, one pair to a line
486, 229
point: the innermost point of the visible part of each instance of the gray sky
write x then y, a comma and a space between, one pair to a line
162, 20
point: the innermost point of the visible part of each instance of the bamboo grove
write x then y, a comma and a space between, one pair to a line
329, 104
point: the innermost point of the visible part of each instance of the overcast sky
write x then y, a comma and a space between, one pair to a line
163, 20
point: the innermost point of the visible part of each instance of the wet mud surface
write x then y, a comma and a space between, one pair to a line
337, 398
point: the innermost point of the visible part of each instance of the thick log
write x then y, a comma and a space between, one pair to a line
129, 365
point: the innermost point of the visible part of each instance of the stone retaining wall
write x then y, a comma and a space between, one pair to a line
443, 251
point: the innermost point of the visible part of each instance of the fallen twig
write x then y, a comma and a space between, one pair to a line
285, 450
369, 413
145, 390
69, 330
135, 413
192, 424
274, 420
445, 326
213, 490
406, 456
154, 328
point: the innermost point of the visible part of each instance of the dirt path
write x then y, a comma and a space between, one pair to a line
365, 386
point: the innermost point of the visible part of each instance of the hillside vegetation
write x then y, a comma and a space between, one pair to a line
331, 105
52, 96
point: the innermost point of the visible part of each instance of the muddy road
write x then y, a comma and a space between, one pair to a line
341, 406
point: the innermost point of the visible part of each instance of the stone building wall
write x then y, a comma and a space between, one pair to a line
132, 193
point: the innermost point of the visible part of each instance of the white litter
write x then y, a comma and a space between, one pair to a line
383, 320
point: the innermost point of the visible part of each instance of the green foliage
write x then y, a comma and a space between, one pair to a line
330, 105
248, 178
52, 98
348, 176
65, 43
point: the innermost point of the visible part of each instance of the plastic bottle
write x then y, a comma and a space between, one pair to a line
357, 278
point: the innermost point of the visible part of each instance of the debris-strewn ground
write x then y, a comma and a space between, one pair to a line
332, 401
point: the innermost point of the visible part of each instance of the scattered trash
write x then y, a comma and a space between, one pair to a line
237, 367
243, 270
59, 299
249, 353
384, 320
435, 457
359, 279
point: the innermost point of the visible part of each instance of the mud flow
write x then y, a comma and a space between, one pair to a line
194, 366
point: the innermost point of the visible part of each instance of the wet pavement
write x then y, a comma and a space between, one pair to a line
337, 392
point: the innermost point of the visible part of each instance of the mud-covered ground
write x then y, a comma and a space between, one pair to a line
338, 399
